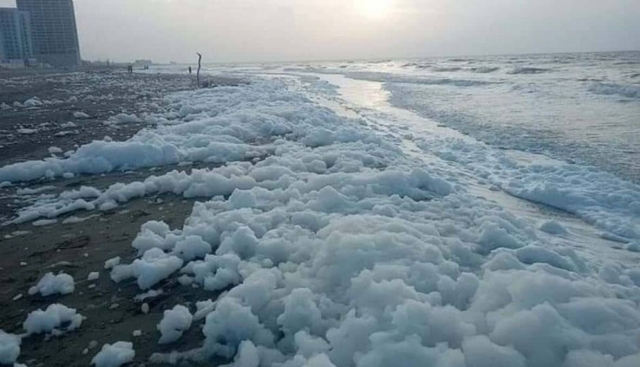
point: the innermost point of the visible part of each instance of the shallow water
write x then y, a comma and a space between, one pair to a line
582, 108
369, 100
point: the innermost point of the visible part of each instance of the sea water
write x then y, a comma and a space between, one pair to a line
581, 108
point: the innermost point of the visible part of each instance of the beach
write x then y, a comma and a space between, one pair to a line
86, 241
324, 214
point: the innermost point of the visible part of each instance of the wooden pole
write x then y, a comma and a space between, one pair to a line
198, 72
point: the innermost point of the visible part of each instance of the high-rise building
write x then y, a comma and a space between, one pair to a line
54, 33
15, 36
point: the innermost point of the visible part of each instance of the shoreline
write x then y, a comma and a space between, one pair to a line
311, 222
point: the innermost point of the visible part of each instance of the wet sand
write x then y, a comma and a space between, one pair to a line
27, 252
27, 133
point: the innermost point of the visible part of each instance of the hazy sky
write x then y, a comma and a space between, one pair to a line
273, 30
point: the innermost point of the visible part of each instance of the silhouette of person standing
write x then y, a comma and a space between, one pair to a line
189, 69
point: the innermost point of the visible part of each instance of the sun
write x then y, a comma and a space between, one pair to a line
374, 9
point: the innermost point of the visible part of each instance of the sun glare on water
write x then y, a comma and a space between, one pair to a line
374, 9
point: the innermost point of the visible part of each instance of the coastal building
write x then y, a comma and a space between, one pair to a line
16, 47
54, 32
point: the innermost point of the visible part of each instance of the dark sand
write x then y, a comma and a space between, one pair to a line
81, 248
99, 95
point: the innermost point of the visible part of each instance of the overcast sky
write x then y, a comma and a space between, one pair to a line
277, 30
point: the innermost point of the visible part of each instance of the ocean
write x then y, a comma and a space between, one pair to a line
581, 108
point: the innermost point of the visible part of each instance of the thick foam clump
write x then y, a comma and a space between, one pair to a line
9, 348
55, 319
114, 355
53, 284
174, 323
326, 284
123, 118
153, 267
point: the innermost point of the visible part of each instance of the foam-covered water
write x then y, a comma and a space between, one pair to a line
575, 107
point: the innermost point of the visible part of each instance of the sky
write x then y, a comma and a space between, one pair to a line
290, 30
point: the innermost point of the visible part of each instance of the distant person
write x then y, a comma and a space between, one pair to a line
189, 69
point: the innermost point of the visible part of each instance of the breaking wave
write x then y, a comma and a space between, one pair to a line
446, 68
528, 70
629, 91
390, 78
418, 65
484, 69
382, 77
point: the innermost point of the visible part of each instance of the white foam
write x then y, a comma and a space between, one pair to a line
123, 118
114, 355
153, 267
174, 323
111, 263
51, 284
9, 347
55, 319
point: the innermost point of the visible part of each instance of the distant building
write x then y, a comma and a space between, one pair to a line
16, 47
54, 32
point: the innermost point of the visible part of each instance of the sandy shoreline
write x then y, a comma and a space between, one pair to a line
27, 132
27, 252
